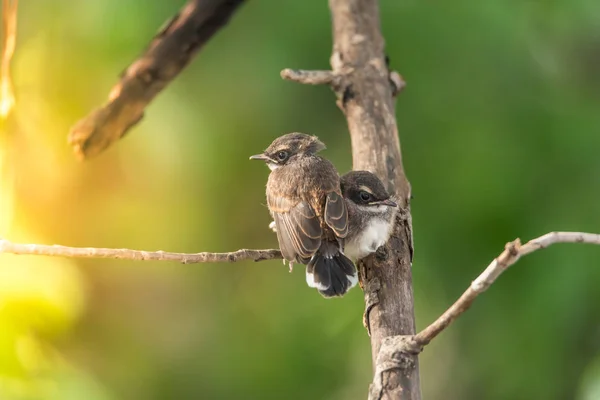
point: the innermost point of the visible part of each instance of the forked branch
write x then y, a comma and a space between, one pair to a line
401, 349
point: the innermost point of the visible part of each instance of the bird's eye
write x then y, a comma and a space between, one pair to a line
282, 155
366, 196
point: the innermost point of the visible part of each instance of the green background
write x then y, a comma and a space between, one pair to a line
500, 131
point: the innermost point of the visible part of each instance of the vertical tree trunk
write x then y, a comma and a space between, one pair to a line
366, 97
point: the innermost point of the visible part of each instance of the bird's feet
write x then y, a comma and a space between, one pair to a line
381, 253
290, 264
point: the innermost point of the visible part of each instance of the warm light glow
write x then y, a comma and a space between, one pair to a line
9, 19
7, 102
7, 98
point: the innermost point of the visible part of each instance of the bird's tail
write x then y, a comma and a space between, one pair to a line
330, 271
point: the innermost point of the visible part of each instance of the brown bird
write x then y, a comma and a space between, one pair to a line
311, 220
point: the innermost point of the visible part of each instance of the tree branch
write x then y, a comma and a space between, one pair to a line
511, 254
168, 53
402, 349
138, 255
365, 88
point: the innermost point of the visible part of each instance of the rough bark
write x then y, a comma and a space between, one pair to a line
366, 97
167, 55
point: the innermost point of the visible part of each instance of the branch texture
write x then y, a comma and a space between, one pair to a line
309, 77
166, 56
138, 255
365, 94
511, 254
365, 90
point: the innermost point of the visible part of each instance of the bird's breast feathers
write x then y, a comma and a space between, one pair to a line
374, 235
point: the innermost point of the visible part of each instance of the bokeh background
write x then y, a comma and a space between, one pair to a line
500, 131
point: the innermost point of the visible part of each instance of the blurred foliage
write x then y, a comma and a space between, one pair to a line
500, 131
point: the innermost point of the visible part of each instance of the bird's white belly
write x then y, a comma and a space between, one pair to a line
369, 240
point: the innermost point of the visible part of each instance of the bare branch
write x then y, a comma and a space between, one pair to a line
511, 254
138, 255
398, 353
308, 77
169, 52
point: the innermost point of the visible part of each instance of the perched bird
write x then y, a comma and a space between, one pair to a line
371, 213
311, 220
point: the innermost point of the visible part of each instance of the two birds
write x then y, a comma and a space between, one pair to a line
322, 220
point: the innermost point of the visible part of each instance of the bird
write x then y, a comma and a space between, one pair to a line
371, 213
305, 200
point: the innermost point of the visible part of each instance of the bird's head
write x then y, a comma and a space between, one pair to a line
289, 147
365, 190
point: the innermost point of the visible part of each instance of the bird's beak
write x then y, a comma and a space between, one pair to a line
387, 202
259, 157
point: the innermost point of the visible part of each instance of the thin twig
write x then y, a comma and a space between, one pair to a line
168, 53
511, 254
137, 255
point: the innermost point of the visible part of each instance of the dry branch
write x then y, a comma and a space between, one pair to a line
166, 56
511, 254
137, 255
402, 349
365, 90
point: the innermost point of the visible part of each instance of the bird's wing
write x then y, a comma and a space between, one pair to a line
298, 228
336, 214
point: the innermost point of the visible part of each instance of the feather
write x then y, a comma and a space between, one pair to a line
336, 214
298, 228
